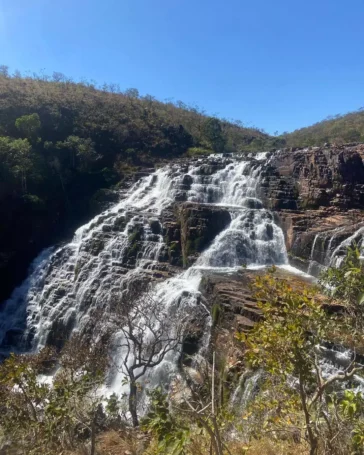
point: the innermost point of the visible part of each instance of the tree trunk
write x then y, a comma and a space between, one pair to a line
311, 435
93, 436
313, 449
217, 437
133, 403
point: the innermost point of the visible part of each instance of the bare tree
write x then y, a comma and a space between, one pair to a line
149, 331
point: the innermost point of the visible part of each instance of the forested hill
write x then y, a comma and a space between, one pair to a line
339, 129
63, 145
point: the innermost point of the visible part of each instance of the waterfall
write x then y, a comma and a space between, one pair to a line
339, 252
331, 253
247, 387
312, 262
125, 243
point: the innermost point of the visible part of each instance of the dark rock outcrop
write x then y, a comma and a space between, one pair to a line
234, 297
315, 177
314, 235
200, 224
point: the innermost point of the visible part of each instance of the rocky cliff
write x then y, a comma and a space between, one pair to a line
182, 221
317, 195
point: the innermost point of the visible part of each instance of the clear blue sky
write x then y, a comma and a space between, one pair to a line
278, 65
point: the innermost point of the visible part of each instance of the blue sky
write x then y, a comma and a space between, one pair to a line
278, 65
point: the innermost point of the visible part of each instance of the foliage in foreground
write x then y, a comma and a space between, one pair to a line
38, 417
298, 397
299, 406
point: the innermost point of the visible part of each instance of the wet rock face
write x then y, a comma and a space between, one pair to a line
319, 238
200, 224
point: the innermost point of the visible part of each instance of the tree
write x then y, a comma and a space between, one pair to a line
58, 77
132, 93
39, 417
212, 131
15, 159
80, 148
285, 344
148, 333
191, 413
202, 403
29, 126
346, 284
4, 70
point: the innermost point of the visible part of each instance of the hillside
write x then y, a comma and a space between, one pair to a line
64, 145
339, 129
65, 148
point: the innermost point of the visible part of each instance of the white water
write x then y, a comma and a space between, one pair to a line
244, 393
312, 261
338, 254
332, 252
68, 285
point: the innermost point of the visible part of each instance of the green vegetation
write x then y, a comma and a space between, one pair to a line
40, 418
339, 129
198, 151
286, 344
64, 146
216, 313
345, 284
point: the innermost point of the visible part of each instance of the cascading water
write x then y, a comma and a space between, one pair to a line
340, 251
126, 243
66, 285
313, 263
329, 247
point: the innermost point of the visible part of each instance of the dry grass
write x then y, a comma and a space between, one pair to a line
134, 443
122, 443
267, 447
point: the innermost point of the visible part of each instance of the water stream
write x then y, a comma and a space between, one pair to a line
68, 284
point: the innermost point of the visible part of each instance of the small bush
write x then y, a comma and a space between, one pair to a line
196, 151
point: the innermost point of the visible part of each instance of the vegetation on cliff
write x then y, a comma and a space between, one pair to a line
65, 146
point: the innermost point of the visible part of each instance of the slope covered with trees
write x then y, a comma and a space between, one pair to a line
64, 145
338, 129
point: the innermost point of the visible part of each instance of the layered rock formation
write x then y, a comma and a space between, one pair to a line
316, 195
318, 198
172, 217
315, 177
